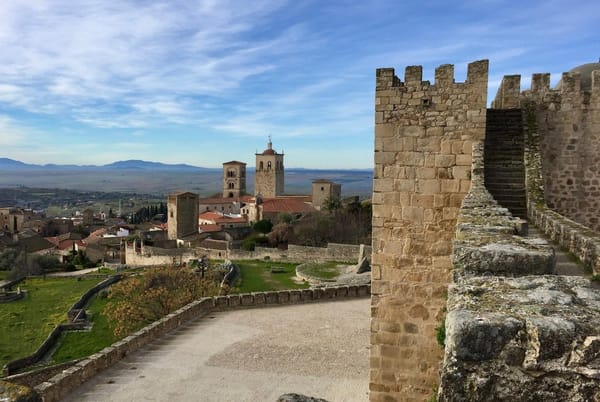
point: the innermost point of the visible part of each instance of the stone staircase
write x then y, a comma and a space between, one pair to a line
504, 167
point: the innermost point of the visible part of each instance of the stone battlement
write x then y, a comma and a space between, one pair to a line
444, 77
570, 91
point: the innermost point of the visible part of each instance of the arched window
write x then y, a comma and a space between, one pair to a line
231, 185
231, 173
269, 165
260, 166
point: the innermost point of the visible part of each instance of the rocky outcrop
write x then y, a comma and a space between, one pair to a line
298, 398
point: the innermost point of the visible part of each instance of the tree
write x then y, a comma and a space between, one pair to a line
332, 204
25, 265
7, 258
263, 226
280, 235
285, 217
139, 300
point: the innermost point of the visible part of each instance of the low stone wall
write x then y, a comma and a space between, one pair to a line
333, 252
9, 284
19, 364
34, 377
151, 256
578, 239
61, 384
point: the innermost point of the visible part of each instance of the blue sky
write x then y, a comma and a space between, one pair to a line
205, 82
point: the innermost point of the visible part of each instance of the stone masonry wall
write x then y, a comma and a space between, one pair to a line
152, 256
423, 143
567, 121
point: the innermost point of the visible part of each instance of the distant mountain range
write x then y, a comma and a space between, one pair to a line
139, 165
132, 164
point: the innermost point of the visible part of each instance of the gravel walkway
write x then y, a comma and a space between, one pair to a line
316, 349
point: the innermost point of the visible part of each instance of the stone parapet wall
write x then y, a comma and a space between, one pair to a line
531, 338
510, 333
487, 238
57, 387
579, 240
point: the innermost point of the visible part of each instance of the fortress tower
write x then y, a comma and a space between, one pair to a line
183, 215
234, 179
268, 179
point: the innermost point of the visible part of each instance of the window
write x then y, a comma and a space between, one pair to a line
231, 185
260, 166
269, 165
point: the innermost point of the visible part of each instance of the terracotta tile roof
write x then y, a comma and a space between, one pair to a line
98, 232
286, 205
219, 200
210, 228
218, 217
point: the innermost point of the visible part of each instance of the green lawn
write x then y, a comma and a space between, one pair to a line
325, 270
75, 345
26, 323
261, 276
3, 275
29, 321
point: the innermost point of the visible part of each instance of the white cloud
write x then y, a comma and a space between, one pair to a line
57, 57
11, 134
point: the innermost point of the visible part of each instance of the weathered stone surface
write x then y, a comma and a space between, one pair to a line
298, 398
10, 392
522, 339
363, 266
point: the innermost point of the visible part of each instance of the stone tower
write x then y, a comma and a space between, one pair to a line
322, 190
423, 145
234, 179
268, 179
183, 215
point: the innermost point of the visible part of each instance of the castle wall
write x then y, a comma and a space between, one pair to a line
565, 124
423, 144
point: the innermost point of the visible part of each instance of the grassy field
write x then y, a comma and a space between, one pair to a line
26, 323
261, 276
75, 345
326, 270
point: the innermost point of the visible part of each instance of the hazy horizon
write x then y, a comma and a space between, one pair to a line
202, 82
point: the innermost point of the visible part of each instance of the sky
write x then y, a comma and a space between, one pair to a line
204, 82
